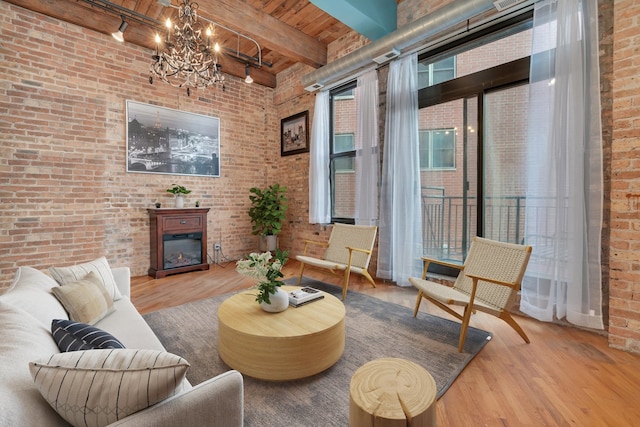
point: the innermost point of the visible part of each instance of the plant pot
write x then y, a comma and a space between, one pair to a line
279, 302
268, 243
179, 201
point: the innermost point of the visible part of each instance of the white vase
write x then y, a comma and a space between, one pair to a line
279, 302
179, 201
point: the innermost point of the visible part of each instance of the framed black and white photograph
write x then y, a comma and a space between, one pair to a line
294, 134
166, 141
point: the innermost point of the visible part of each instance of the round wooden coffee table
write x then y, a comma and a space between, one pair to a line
296, 343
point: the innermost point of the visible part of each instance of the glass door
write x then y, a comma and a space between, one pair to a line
448, 177
504, 153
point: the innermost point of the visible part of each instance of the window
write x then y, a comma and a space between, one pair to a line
344, 143
437, 149
343, 153
430, 74
472, 143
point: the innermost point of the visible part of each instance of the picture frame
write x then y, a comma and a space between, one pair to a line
166, 141
294, 134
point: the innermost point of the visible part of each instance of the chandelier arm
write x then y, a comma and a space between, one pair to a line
217, 24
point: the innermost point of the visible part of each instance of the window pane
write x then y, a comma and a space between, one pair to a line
448, 195
342, 154
443, 70
423, 138
343, 142
343, 183
443, 148
504, 163
507, 49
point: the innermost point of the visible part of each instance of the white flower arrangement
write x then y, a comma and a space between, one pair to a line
260, 266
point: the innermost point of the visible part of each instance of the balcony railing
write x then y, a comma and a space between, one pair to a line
449, 222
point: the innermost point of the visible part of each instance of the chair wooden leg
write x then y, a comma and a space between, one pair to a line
507, 318
466, 318
345, 283
301, 271
367, 276
418, 301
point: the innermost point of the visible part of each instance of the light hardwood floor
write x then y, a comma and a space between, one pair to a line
565, 377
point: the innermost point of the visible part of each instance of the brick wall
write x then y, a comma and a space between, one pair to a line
624, 301
66, 195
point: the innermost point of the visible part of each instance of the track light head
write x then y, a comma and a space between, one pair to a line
119, 35
247, 71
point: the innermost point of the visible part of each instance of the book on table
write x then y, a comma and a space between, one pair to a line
304, 295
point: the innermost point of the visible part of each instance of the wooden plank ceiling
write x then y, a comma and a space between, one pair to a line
288, 31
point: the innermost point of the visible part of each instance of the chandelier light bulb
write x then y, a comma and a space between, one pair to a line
216, 47
168, 23
158, 39
209, 33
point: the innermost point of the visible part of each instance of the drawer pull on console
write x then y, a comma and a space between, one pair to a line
183, 222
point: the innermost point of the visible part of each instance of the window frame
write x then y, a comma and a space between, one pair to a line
335, 95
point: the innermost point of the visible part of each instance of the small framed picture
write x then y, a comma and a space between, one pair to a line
294, 134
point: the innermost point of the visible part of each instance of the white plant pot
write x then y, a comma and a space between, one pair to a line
179, 202
279, 302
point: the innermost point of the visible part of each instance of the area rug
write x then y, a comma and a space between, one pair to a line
374, 329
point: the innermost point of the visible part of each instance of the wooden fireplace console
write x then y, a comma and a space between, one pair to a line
170, 221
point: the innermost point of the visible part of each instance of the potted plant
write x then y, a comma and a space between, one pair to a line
267, 212
179, 191
268, 271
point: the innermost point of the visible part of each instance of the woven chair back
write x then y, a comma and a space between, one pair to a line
355, 236
505, 262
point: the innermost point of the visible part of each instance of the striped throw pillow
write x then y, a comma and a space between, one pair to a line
76, 336
94, 388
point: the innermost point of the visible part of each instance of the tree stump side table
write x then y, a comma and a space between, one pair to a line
392, 392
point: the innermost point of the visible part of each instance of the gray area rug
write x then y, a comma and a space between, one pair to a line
374, 329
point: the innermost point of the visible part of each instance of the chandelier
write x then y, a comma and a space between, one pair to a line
186, 57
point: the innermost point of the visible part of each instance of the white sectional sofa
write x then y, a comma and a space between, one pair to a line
26, 311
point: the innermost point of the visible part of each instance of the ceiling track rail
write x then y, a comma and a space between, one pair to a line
133, 16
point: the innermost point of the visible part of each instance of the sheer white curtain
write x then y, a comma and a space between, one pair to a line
366, 144
400, 241
564, 166
319, 188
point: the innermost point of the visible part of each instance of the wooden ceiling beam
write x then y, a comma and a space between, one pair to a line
267, 30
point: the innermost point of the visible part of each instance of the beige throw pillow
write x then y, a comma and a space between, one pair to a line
66, 275
86, 300
99, 387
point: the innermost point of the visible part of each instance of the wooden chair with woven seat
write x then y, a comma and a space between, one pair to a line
347, 251
488, 281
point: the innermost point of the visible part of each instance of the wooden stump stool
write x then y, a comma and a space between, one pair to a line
392, 392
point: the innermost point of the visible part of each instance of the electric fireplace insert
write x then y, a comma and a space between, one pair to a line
181, 250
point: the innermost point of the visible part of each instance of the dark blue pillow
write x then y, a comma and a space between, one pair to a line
75, 336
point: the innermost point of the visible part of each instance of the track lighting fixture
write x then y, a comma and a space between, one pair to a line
119, 35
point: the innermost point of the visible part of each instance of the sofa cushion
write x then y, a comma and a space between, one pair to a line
66, 275
23, 338
129, 326
75, 336
31, 291
98, 387
86, 300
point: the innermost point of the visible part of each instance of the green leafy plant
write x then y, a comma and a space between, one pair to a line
268, 208
266, 269
178, 189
